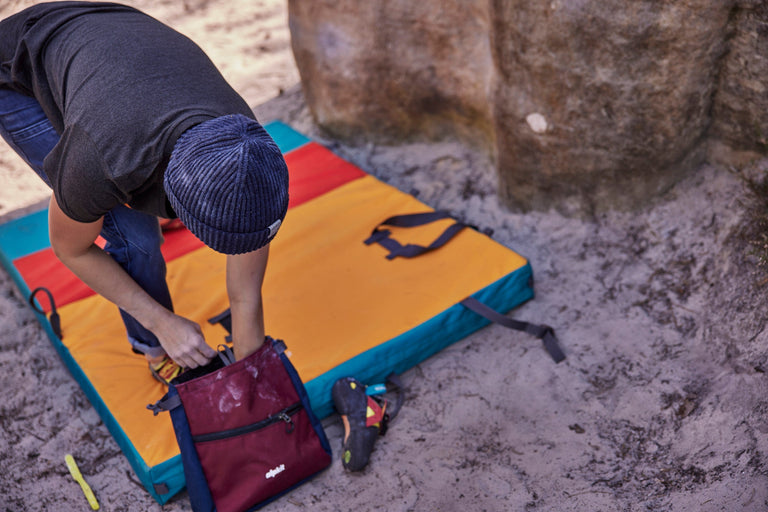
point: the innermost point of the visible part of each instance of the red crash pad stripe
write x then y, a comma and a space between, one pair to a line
312, 169
43, 268
179, 242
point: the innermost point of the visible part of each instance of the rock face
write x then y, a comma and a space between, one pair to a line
584, 104
395, 70
741, 103
626, 89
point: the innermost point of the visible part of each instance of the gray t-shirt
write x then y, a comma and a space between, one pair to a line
120, 88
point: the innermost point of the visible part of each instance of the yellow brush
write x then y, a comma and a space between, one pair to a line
75, 471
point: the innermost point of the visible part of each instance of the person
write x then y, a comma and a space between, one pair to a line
128, 121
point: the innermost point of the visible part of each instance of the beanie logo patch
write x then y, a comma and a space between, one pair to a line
273, 228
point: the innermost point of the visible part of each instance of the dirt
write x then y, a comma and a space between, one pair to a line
660, 405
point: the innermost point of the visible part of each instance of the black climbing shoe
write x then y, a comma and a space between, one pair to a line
365, 418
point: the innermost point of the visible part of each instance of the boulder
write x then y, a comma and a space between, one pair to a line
740, 125
623, 89
395, 70
584, 105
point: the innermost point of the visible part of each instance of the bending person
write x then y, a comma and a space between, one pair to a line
129, 121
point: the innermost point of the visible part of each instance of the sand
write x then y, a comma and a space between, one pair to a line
660, 405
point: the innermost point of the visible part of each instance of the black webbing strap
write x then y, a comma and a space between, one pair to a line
544, 332
54, 318
278, 345
224, 318
167, 403
395, 248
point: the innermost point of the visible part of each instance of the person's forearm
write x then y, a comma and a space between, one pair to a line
73, 243
181, 339
247, 327
99, 271
245, 275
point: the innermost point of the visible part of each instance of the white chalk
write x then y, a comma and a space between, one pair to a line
537, 122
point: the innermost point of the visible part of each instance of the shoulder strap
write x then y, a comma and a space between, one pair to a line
395, 248
544, 332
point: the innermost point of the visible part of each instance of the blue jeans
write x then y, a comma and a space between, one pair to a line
133, 238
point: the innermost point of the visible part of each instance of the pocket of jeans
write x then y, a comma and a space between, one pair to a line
32, 131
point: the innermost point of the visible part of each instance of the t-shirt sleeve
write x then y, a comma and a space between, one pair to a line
79, 177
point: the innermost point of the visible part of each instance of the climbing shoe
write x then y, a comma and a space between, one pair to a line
165, 370
364, 418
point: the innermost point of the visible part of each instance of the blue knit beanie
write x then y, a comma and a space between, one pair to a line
228, 183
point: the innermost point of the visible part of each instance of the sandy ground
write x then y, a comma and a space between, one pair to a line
661, 404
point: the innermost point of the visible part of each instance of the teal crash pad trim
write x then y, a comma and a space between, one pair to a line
25, 235
114, 428
286, 138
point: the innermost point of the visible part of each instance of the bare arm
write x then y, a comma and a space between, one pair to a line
245, 275
73, 243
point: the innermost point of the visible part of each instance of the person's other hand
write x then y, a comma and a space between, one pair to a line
183, 341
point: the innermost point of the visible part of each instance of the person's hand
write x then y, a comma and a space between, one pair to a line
73, 243
183, 341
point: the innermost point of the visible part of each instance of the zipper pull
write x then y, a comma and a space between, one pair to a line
289, 422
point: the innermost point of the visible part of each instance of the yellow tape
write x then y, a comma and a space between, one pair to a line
75, 472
